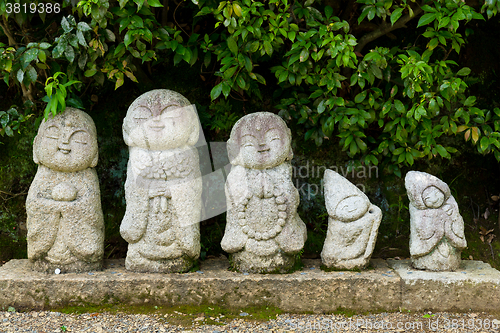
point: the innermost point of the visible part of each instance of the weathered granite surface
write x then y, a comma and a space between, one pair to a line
263, 231
163, 186
65, 221
352, 224
475, 287
436, 227
310, 289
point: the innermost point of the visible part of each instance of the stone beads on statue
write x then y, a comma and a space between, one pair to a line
263, 232
163, 186
65, 221
352, 224
436, 226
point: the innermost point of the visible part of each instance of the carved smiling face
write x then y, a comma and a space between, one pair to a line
67, 142
433, 197
160, 120
259, 141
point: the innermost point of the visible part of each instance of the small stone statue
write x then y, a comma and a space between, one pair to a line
436, 226
263, 231
352, 224
65, 221
163, 186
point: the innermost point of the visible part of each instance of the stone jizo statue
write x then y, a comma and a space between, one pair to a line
436, 226
352, 224
163, 186
65, 221
263, 231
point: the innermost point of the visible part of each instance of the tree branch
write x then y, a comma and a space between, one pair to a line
385, 28
6, 30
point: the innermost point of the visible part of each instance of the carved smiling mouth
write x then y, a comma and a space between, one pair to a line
157, 128
64, 151
264, 150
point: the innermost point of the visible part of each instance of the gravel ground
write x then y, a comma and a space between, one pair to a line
45, 322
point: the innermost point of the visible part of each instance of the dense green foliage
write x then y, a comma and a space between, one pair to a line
391, 102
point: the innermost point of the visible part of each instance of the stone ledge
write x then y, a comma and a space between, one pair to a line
476, 287
308, 290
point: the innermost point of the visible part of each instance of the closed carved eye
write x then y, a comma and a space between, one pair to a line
142, 113
172, 111
52, 132
81, 137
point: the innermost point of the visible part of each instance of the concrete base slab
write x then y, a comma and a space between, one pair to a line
476, 287
308, 290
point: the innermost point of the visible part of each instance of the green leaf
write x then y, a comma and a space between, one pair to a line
396, 14
65, 25
20, 76
321, 107
215, 92
226, 88
83, 26
484, 143
360, 97
237, 9
70, 53
241, 82
233, 46
58, 51
268, 47
328, 11
470, 101
353, 148
81, 38
361, 144
304, 55
409, 158
44, 46
426, 19
154, 3
440, 149
128, 38
90, 72
31, 74
399, 106
308, 134
398, 151
42, 56
28, 57
9, 131
464, 71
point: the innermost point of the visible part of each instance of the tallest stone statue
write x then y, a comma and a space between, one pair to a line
163, 186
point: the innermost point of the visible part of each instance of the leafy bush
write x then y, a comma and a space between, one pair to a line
392, 102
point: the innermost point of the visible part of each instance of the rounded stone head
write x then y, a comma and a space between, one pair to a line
344, 201
160, 120
433, 197
425, 190
260, 140
67, 142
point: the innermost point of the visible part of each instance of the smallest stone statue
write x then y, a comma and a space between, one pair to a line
65, 221
352, 224
436, 226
